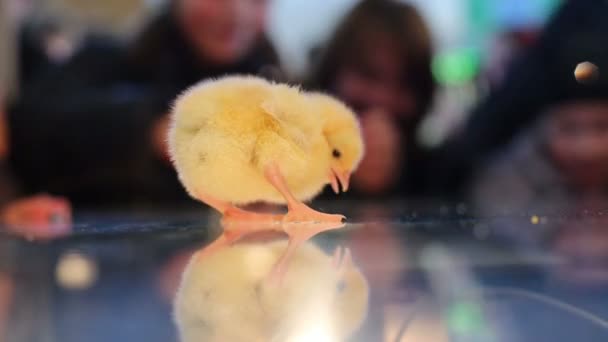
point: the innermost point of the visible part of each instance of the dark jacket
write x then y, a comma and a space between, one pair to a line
7, 185
543, 75
83, 130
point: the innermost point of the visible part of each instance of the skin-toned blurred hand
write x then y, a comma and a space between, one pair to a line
38, 217
160, 129
379, 169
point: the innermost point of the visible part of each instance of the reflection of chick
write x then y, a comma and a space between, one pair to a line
239, 140
225, 297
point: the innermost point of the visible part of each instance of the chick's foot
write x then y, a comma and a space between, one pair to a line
234, 214
301, 213
297, 211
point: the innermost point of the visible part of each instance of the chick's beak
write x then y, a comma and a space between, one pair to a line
341, 176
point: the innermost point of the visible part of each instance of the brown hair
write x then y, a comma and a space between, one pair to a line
396, 20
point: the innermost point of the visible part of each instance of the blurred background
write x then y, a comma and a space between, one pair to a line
499, 105
471, 38
494, 114
86, 86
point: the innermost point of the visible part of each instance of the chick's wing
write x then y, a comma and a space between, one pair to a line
296, 123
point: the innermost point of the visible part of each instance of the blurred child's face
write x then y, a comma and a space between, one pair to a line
223, 31
376, 83
578, 142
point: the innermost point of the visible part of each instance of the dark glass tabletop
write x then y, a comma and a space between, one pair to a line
434, 273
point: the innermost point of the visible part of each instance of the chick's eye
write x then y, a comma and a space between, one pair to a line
336, 153
341, 286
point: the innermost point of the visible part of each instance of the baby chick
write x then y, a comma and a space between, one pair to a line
242, 139
224, 297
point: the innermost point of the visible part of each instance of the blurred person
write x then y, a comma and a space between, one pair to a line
541, 74
379, 62
6, 184
7, 56
42, 45
94, 129
505, 49
3, 130
30, 44
34, 216
562, 159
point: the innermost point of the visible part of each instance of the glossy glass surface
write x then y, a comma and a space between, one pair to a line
435, 273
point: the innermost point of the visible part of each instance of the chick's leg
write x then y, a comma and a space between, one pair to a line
237, 223
232, 213
297, 211
301, 223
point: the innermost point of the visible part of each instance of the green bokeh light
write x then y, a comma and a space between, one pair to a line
456, 67
466, 318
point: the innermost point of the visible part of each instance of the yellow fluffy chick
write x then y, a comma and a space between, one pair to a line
242, 139
225, 296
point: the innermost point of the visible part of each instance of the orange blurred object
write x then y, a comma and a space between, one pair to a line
38, 217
